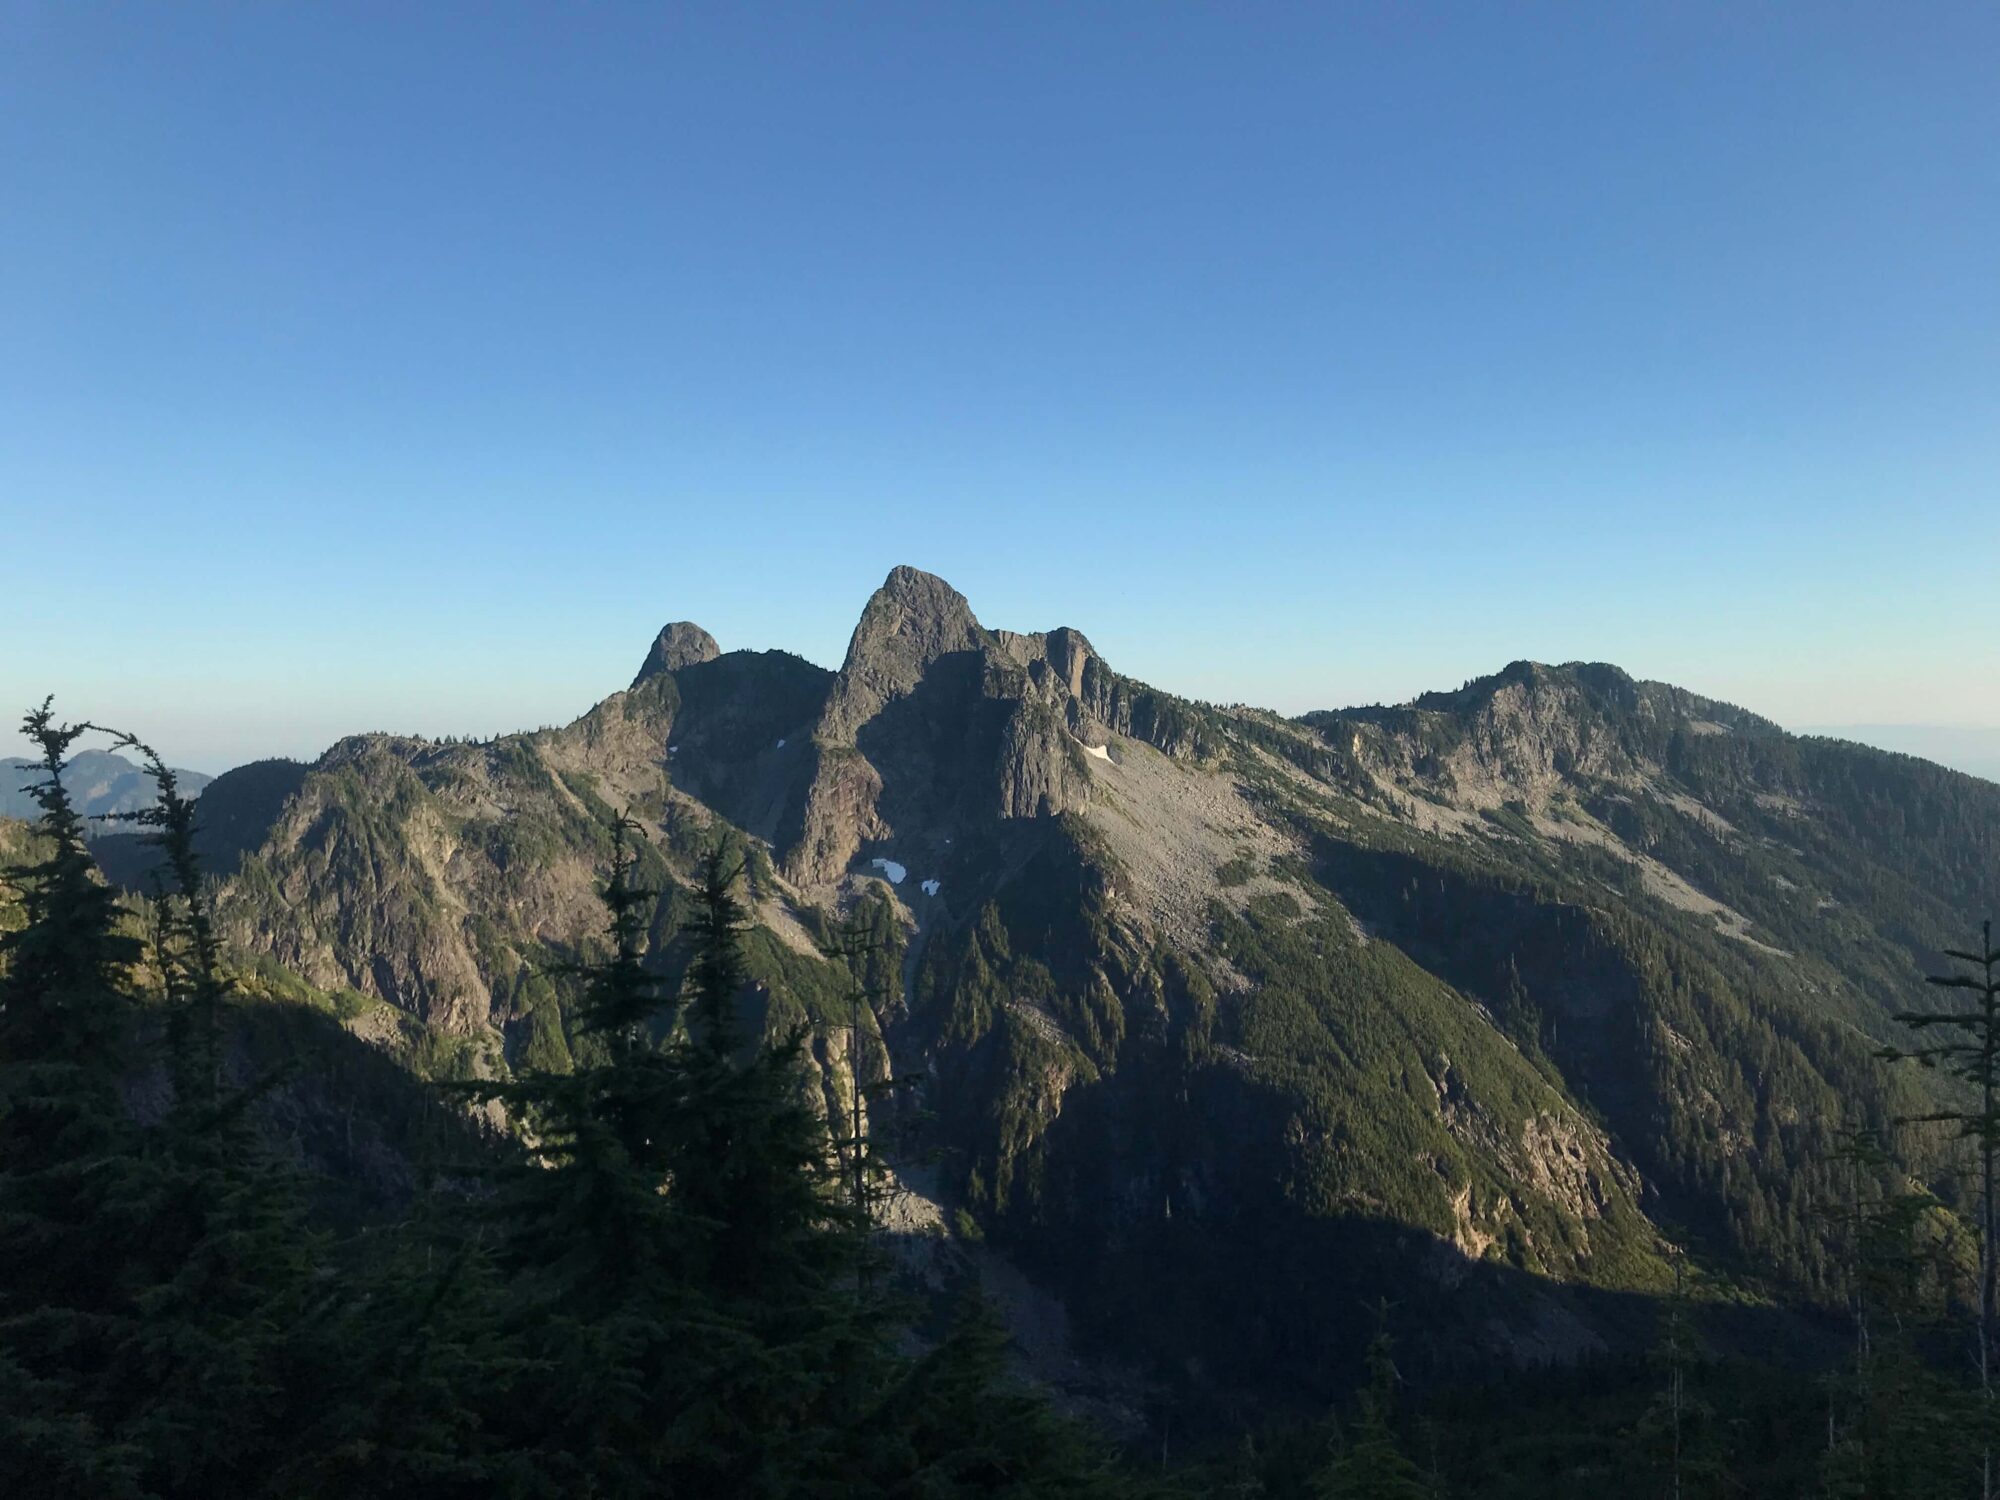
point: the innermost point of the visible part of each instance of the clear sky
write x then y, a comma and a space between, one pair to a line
407, 366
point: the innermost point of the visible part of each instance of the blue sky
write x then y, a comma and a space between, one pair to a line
406, 367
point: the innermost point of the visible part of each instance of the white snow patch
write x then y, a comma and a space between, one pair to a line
781, 744
889, 867
1102, 752
932, 887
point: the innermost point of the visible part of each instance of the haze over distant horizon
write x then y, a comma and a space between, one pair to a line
407, 368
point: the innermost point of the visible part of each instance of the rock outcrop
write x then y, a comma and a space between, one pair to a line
681, 644
909, 623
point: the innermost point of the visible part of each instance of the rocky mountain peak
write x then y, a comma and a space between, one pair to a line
681, 644
912, 620
918, 610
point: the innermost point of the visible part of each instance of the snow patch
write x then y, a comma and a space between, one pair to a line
1102, 752
932, 887
781, 744
889, 867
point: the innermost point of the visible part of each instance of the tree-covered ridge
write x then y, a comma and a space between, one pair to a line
1716, 1071
1677, 901
1748, 808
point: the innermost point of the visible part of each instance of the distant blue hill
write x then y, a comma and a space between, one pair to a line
100, 783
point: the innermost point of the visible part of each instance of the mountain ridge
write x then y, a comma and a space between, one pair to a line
1484, 989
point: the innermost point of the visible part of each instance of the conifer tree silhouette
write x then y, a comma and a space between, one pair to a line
1970, 1050
70, 1172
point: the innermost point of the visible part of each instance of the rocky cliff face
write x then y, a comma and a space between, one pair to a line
936, 726
912, 724
911, 624
1472, 990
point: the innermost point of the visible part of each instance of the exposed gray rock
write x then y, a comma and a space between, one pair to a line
1038, 773
681, 644
930, 716
913, 619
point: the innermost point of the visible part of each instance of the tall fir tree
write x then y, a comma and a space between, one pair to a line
859, 947
1676, 1431
588, 1241
673, 1255
1369, 1463
165, 1326
187, 951
1909, 1430
972, 1429
1970, 1050
773, 1240
70, 1179
216, 1376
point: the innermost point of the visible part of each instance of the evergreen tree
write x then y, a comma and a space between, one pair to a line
1909, 1431
164, 1327
751, 1163
1370, 1464
970, 1430
1675, 1429
210, 1378
774, 1241
859, 946
411, 1355
1971, 1051
588, 1242
187, 952
680, 1268
68, 1160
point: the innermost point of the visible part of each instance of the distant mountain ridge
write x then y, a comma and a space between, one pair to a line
1225, 1023
101, 783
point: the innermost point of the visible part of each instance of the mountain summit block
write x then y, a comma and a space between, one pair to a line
681, 644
